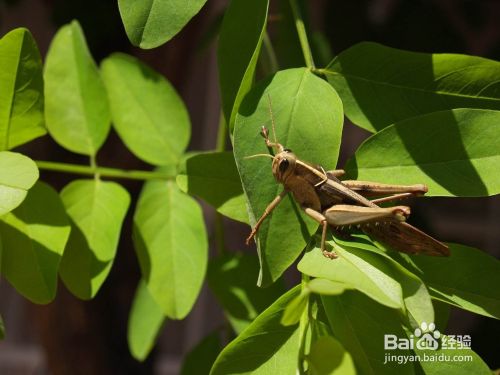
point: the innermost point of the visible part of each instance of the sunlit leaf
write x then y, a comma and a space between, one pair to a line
302, 123
171, 244
97, 210
34, 236
380, 85
76, 106
151, 23
21, 89
455, 153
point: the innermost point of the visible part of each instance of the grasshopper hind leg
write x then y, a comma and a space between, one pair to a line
324, 223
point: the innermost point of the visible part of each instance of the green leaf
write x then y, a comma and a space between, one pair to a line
151, 23
171, 244
147, 112
144, 324
381, 85
236, 69
214, 178
97, 210
327, 287
230, 278
309, 126
18, 174
443, 361
76, 106
463, 279
455, 153
357, 269
415, 294
360, 324
328, 357
295, 309
21, 91
33, 239
265, 347
201, 358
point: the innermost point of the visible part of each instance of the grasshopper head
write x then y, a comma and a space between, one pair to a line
284, 165
284, 161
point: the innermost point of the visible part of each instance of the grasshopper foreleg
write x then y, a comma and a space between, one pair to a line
270, 207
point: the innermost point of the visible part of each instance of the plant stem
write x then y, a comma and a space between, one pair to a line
301, 31
102, 171
221, 134
220, 244
304, 327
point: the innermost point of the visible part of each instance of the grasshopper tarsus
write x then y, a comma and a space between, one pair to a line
264, 132
330, 254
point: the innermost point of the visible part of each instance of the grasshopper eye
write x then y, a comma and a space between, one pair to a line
284, 165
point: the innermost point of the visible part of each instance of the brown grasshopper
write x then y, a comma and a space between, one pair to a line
335, 203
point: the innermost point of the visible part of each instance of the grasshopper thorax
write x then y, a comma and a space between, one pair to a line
284, 165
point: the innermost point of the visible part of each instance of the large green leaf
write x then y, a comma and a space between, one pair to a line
171, 243
97, 210
33, 239
18, 174
328, 357
230, 278
360, 324
214, 178
238, 51
151, 23
21, 89
455, 153
144, 323
265, 347
463, 279
312, 128
76, 106
357, 269
147, 112
381, 85
201, 358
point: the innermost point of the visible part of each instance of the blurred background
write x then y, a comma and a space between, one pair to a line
70, 336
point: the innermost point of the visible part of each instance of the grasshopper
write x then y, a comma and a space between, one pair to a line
339, 204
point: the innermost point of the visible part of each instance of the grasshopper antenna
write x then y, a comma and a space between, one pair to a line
265, 133
259, 155
272, 118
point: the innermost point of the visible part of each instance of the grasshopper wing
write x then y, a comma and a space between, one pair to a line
407, 239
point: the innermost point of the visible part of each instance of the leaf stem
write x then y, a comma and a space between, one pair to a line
301, 31
102, 171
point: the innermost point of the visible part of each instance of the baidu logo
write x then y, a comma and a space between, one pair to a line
427, 336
